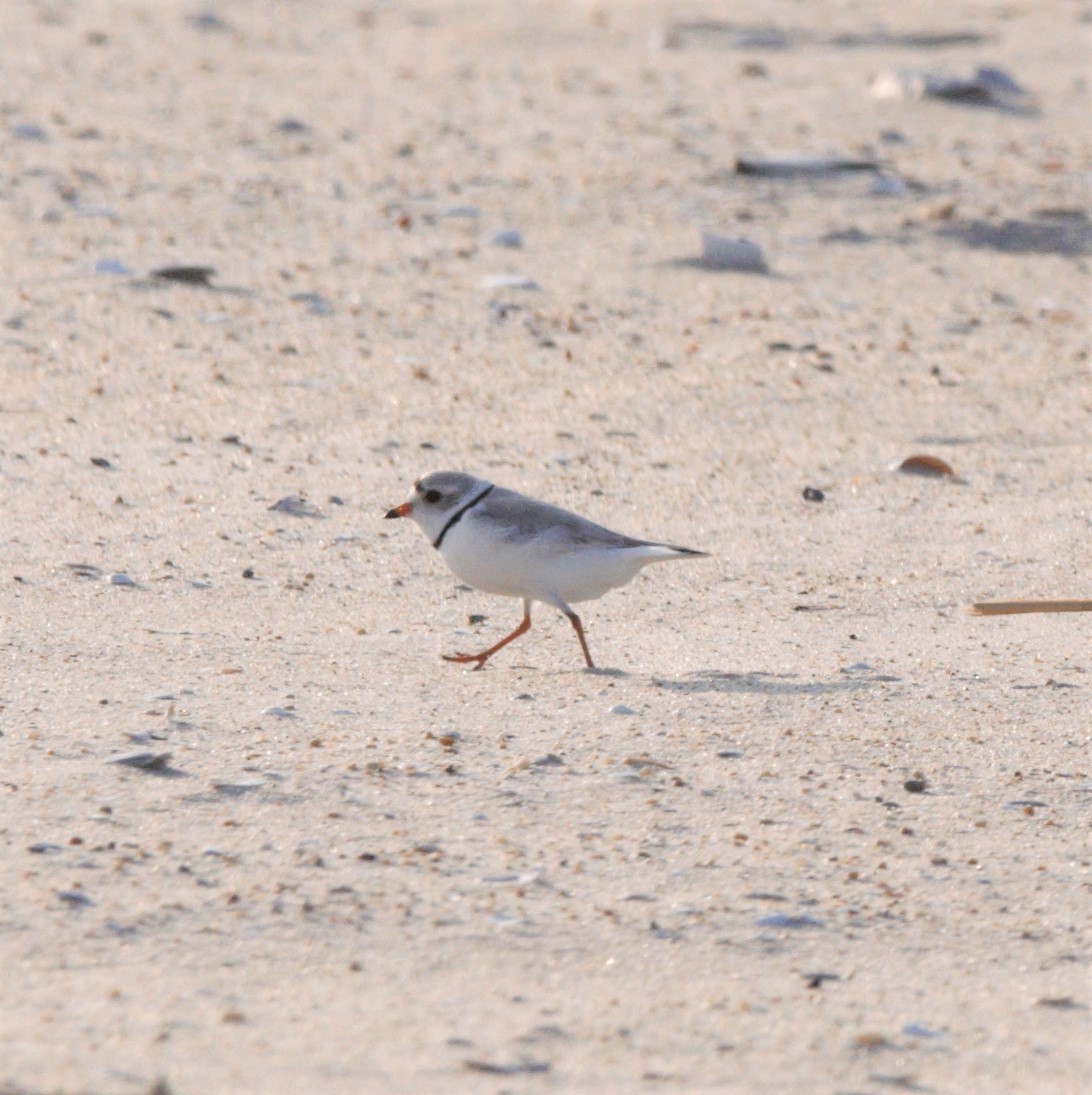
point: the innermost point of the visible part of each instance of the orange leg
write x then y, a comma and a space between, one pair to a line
525, 626
578, 627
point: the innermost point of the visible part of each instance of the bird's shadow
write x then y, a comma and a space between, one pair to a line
771, 684
588, 671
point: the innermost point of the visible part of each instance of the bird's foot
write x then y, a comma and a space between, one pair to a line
466, 659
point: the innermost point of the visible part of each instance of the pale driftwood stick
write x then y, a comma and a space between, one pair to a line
1010, 608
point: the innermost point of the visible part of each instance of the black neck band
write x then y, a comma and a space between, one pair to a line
457, 516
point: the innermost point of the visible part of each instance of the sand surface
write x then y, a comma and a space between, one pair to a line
839, 843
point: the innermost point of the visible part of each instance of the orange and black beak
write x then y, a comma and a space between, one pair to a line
404, 510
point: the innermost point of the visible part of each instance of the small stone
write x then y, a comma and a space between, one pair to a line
622, 709
507, 237
75, 898
919, 1030
729, 253
815, 980
84, 570
317, 304
888, 186
510, 281
186, 275
112, 267
209, 22
519, 1067
1063, 1003
29, 131
789, 921
295, 505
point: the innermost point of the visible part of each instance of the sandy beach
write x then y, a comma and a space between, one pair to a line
815, 826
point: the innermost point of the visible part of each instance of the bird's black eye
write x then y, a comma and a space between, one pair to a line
433, 496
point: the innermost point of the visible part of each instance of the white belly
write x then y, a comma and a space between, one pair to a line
538, 569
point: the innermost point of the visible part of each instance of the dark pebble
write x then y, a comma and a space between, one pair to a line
295, 506
186, 275
84, 570
507, 1070
29, 131
75, 898
785, 920
815, 980
209, 22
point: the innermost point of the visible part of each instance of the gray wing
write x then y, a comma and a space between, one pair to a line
518, 518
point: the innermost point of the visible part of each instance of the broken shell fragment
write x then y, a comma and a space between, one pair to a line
141, 758
932, 467
796, 164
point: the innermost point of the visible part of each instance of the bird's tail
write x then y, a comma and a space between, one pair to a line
654, 553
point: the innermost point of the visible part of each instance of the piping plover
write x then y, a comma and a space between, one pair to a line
503, 542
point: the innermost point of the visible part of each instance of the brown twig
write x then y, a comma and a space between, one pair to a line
1011, 608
